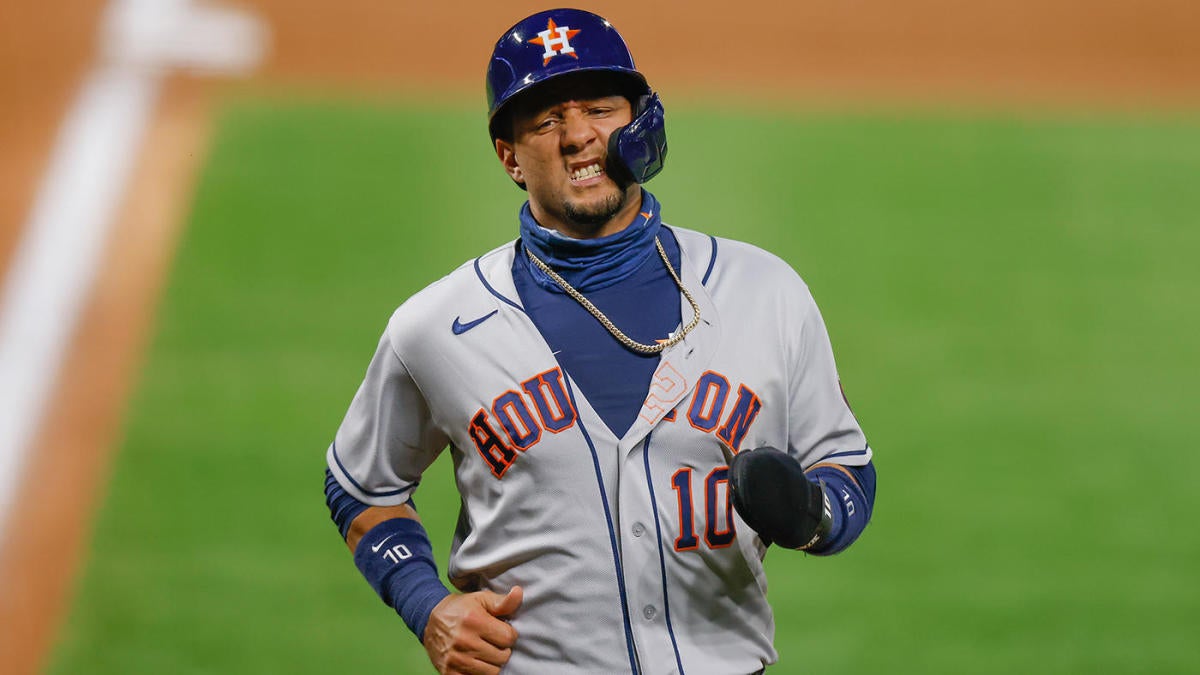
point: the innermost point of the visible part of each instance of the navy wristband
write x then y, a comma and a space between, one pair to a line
851, 504
396, 558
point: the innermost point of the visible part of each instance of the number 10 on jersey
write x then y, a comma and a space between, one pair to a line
718, 510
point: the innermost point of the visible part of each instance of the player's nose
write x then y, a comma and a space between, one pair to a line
577, 132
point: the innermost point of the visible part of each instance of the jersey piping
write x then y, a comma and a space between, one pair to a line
365, 491
662, 560
712, 261
849, 453
483, 280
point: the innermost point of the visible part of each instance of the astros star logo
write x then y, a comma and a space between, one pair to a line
560, 43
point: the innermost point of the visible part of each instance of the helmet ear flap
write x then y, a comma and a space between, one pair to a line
637, 151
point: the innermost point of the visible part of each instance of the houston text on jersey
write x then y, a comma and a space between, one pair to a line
512, 424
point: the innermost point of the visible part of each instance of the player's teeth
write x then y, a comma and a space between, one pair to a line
586, 172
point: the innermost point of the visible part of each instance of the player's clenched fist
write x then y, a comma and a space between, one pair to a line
770, 492
466, 635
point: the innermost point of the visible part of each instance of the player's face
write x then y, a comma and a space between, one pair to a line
559, 150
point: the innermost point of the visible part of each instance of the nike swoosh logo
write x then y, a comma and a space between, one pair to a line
459, 327
376, 547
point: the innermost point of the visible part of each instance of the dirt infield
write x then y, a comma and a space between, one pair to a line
44, 50
1105, 52
1100, 53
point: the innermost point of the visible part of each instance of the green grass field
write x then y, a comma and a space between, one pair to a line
1013, 307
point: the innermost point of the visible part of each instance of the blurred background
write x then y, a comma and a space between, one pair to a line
208, 212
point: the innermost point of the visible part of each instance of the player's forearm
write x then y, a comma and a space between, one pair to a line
374, 515
354, 518
392, 551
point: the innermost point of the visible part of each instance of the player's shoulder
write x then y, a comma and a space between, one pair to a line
722, 260
473, 288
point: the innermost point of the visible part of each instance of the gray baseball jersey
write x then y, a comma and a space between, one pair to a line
630, 555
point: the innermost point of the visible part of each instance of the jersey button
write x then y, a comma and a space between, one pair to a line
638, 529
649, 611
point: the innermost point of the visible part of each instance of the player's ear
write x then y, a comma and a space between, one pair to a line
508, 158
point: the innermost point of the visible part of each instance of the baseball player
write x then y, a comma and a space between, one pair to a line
635, 411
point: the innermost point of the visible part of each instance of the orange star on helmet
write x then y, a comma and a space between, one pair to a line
556, 40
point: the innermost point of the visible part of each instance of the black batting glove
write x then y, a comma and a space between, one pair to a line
771, 493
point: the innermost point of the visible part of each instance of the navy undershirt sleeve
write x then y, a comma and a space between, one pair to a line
343, 507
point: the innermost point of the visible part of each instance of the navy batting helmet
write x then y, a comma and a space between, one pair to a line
559, 42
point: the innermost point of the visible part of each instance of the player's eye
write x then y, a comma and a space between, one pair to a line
546, 123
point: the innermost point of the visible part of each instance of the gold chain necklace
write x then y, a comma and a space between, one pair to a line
604, 320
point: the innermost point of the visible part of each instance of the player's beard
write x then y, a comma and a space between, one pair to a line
591, 217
